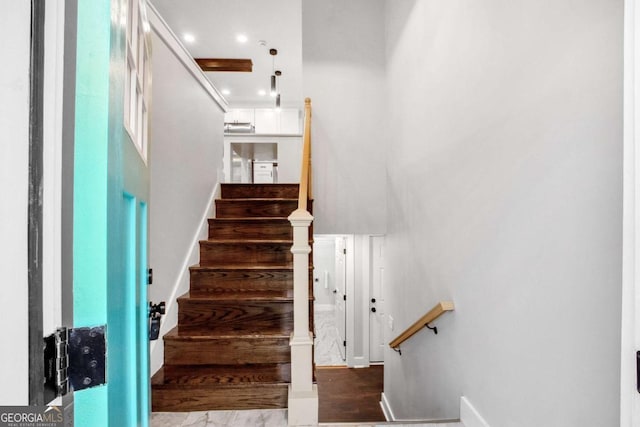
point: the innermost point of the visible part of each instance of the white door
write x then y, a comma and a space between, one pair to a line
340, 294
630, 375
376, 300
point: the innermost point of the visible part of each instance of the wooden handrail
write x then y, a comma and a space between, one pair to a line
305, 172
440, 308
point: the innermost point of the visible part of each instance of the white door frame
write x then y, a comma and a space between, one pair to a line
630, 397
380, 303
52, 166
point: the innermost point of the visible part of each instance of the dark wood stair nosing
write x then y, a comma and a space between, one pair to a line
223, 375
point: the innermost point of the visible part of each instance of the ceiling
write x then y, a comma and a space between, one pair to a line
215, 24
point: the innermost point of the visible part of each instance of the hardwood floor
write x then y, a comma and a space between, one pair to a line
349, 395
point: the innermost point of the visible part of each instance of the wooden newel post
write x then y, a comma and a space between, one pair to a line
303, 394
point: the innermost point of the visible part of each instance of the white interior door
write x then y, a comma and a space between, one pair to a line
340, 294
376, 301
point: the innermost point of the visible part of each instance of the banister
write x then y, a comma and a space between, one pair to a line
303, 394
437, 311
305, 171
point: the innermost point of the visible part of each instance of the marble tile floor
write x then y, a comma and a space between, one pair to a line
326, 349
248, 418
256, 418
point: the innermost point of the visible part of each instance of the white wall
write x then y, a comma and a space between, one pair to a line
15, 24
504, 194
343, 74
185, 159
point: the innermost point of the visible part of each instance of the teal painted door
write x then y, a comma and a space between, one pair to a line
111, 199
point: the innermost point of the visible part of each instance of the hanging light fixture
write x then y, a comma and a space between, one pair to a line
273, 53
278, 73
273, 85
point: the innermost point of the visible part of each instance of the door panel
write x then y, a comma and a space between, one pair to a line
142, 308
111, 194
340, 295
376, 318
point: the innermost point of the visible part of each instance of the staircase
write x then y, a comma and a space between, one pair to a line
230, 349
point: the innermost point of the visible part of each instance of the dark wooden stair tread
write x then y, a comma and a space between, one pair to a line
230, 190
241, 267
246, 295
223, 374
252, 219
257, 199
249, 295
259, 207
248, 242
186, 334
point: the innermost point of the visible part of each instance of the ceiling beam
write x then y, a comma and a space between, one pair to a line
223, 64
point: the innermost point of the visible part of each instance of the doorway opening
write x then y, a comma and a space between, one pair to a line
349, 310
254, 163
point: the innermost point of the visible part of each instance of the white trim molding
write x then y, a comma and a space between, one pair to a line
386, 408
303, 394
630, 334
162, 29
469, 415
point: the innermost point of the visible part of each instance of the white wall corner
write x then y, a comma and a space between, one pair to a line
386, 408
469, 416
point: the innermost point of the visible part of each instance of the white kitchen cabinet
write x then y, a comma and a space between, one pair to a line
240, 115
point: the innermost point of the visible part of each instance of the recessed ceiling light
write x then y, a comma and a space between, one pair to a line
262, 92
241, 38
188, 37
226, 92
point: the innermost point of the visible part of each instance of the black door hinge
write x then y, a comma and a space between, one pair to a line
344, 343
344, 251
638, 370
344, 297
74, 359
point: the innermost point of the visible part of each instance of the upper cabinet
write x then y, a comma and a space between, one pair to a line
240, 115
266, 121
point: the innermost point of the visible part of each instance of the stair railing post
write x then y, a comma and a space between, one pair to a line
303, 394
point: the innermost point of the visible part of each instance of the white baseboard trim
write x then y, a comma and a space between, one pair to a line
172, 301
386, 408
469, 415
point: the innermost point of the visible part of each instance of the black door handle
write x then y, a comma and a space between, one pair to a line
373, 300
373, 309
